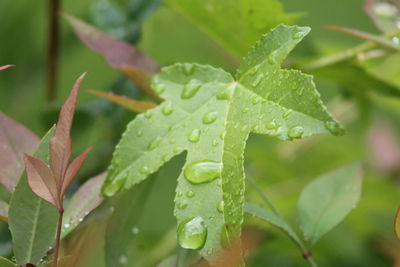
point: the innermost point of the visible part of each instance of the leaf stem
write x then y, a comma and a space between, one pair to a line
306, 253
263, 196
52, 52
344, 55
58, 237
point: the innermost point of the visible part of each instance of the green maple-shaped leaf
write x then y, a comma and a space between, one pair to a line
209, 114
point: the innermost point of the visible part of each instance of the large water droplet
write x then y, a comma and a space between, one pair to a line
202, 171
194, 136
226, 93
192, 233
110, 189
210, 117
296, 132
167, 109
190, 89
334, 127
156, 142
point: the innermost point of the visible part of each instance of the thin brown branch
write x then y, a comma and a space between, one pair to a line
52, 49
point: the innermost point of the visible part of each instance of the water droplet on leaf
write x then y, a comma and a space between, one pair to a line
144, 170
296, 132
334, 127
192, 233
210, 117
190, 89
167, 109
226, 93
190, 194
202, 171
221, 206
155, 143
194, 136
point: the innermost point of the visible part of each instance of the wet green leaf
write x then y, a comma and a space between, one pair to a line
327, 200
32, 221
209, 114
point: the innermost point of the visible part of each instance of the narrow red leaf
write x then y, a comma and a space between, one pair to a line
128, 59
73, 169
61, 143
6, 67
15, 140
41, 180
123, 101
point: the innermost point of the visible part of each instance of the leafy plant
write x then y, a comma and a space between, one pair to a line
210, 115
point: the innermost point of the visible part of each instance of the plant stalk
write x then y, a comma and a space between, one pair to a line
52, 49
58, 237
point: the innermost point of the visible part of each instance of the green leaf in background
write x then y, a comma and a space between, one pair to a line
209, 114
237, 24
6, 263
32, 221
272, 218
86, 199
327, 200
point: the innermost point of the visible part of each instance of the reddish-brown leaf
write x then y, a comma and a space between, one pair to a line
61, 144
6, 67
3, 211
128, 59
15, 140
123, 101
73, 169
41, 180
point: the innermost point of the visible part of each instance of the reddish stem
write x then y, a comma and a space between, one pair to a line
52, 55
58, 237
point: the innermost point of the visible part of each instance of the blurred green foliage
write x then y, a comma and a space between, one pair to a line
282, 169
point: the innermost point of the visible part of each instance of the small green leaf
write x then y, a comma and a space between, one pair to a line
32, 221
235, 24
273, 219
6, 263
210, 115
327, 200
